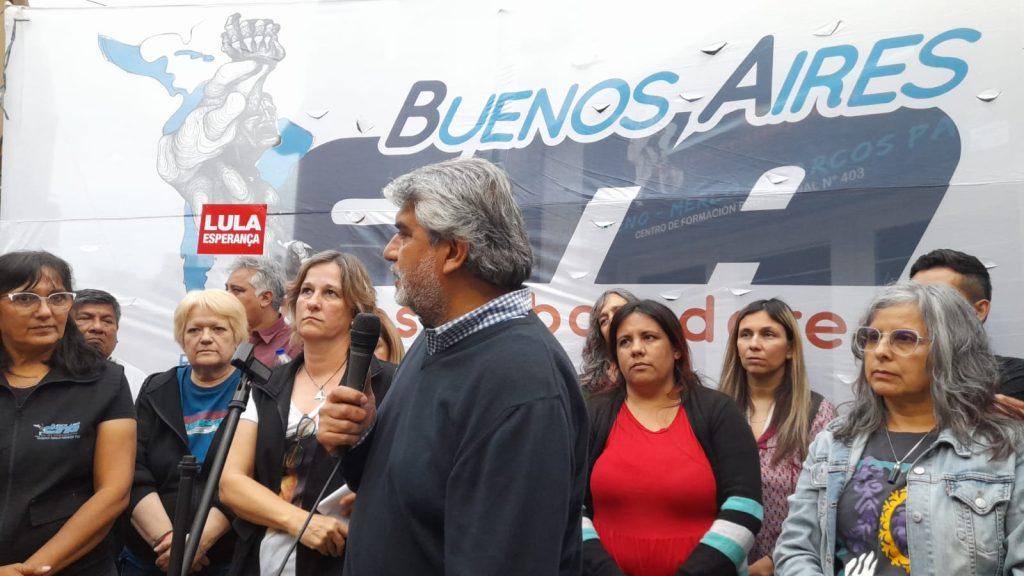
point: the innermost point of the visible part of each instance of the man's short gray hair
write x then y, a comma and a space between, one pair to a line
470, 199
267, 276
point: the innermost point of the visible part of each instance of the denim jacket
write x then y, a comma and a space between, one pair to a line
965, 513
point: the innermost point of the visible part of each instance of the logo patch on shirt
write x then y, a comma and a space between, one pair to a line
57, 431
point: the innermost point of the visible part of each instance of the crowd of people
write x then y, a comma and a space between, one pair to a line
482, 450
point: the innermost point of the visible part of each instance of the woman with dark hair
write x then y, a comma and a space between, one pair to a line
926, 470
276, 468
68, 432
180, 412
598, 371
674, 485
764, 373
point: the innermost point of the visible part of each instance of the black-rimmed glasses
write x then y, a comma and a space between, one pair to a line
903, 341
31, 300
303, 431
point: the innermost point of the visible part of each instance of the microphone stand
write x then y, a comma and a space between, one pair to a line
188, 469
252, 371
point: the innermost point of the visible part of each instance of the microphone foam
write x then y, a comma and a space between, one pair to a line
365, 331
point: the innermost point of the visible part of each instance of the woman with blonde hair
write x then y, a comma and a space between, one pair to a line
764, 373
180, 412
276, 467
389, 347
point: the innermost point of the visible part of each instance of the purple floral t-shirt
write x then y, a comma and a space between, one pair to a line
872, 512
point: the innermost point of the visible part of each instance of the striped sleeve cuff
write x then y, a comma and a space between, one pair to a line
588, 530
745, 505
734, 539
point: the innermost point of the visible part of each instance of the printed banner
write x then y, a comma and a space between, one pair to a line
703, 155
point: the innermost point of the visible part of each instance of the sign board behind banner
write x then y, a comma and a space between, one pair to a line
232, 229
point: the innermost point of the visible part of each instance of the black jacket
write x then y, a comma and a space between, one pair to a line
731, 450
272, 403
162, 443
47, 446
1011, 376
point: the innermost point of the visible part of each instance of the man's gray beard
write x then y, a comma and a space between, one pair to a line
427, 301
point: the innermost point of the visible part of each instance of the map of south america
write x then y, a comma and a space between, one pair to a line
225, 144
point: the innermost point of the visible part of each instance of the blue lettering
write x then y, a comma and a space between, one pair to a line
928, 57
861, 152
884, 145
946, 127
499, 116
584, 129
873, 70
787, 85
833, 82
445, 134
818, 167
542, 103
915, 133
659, 102
635, 221
838, 159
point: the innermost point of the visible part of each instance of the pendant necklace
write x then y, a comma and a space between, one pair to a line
320, 396
750, 415
897, 470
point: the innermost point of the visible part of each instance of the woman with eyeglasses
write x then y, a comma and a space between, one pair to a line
67, 438
674, 486
764, 373
180, 412
276, 468
926, 472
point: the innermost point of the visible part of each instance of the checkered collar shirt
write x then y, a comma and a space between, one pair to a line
509, 306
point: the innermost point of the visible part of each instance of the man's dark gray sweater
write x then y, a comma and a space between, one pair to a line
476, 464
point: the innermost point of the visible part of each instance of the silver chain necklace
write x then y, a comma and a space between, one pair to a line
897, 470
320, 396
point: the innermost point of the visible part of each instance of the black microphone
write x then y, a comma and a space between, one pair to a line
364, 335
245, 360
243, 353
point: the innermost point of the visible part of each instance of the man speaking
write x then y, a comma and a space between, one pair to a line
475, 464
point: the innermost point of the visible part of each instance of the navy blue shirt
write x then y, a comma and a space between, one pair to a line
204, 409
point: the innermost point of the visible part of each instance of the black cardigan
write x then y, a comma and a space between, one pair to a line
161, 445
272, 404
725, 437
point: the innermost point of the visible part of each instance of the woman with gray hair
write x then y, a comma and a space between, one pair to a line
926, 470
599, 370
